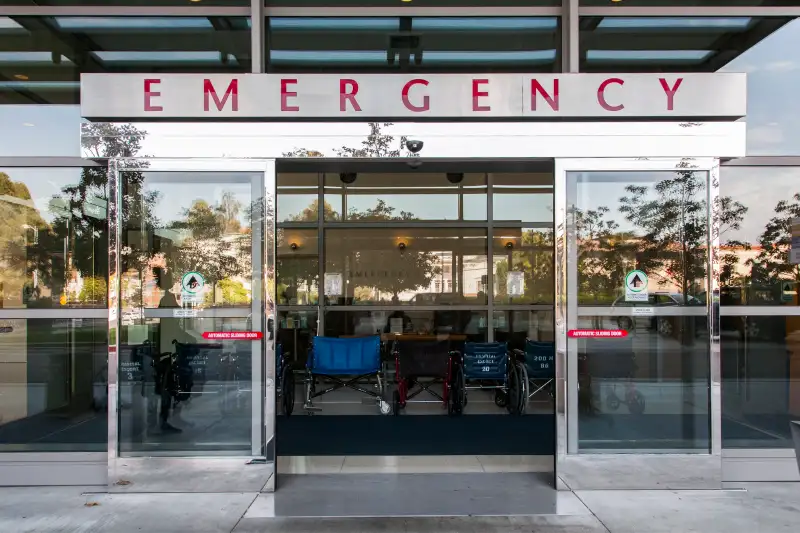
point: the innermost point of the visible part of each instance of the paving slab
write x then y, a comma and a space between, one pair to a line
775, 509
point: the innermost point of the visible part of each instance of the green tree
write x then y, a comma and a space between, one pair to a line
773, 262
94, 289
673, 221
311, 213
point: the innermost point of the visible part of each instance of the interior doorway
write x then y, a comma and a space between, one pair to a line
430, 258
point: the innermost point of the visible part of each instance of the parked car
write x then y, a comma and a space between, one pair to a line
665, 325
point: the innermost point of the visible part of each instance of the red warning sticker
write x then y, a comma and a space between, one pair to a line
597, 333
233, 335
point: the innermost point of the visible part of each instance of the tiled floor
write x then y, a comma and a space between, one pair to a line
420, 464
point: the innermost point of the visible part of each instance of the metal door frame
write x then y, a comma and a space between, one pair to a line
263, 304
566, 290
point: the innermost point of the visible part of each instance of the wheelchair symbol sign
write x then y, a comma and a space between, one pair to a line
192, 283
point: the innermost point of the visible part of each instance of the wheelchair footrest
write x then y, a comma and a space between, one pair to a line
309, 407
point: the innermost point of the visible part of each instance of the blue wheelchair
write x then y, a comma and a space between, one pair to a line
348, 363
487, 366
538, 369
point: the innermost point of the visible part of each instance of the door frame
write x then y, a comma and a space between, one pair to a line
566, 290
263, 304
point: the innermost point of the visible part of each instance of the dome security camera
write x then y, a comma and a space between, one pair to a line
294, 246
348, 177
509, 245
455, 177
401, 246
414, 146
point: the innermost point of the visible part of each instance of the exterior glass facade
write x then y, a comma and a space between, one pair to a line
462, 249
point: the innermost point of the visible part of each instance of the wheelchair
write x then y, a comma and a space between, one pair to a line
487, 366
420, 365
347, 363
538, 369
285, 375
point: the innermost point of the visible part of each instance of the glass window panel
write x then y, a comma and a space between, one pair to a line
405, 196
53, 237
34, 74
523, 266
523, 197
760, 380
53, 381
670, 44
648, 390
135, 3
298, 267
464, 325
517, 326
758, 207
401, 266
651, 221
298, 197
198, 400
179, 222
488, 44
296, 330
693, 3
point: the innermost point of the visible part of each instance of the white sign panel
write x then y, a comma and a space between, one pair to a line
333, 284
515, 284
636, 286
362, 96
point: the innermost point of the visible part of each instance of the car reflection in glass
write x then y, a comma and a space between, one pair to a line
667, 326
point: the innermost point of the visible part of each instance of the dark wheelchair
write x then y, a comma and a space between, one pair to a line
538, 369
487, 366
348, 363
419, 366
285, 375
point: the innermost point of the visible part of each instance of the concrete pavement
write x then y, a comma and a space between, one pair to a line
742, 508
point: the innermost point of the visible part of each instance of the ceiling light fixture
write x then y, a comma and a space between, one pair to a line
22, 77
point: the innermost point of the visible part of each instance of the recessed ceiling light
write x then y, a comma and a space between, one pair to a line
22, 77
195, 1
406, 1
28, 124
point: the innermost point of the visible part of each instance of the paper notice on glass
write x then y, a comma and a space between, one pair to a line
396, 326
515, 284
333, 284
794, 252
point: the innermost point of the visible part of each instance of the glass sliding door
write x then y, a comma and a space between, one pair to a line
194, 316
638, 334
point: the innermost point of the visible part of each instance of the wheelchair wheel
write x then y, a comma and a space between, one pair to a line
396, 403
514, 391
457, 393
524, 387
500, 398
287, 390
